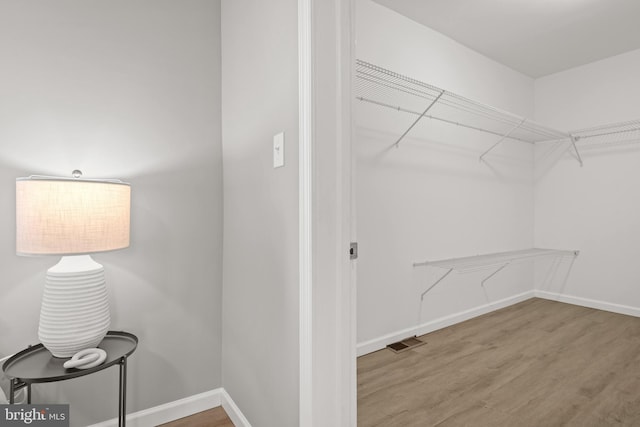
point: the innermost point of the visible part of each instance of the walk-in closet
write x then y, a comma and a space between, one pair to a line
497, 213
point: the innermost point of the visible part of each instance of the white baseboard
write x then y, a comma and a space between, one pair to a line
591, 303
442, 322
232, 410
183, 408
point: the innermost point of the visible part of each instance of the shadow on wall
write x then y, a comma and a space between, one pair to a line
556, 273
104, 387
551, 153
23, 277
454, 153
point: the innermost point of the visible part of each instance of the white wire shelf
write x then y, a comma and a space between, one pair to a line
475, 262
498, 261
388, 89
610, 133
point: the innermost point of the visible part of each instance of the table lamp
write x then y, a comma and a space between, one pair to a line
72, 217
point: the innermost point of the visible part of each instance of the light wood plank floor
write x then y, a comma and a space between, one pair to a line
215, 417
539, 363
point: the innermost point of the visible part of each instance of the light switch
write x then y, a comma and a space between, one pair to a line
278, 150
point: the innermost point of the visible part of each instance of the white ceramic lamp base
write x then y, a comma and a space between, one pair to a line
75, 308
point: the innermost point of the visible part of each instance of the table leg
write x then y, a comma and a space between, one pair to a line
17, 384
122, 411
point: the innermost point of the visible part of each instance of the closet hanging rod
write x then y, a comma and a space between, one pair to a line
470, 107
390, 78
451, 122
387, 88
489, 115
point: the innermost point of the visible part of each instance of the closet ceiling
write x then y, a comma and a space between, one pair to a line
535, 37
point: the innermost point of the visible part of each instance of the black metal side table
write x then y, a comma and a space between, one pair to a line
36, 365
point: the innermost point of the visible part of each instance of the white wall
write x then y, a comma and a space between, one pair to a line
593, 208
431, 198
260, 311
128, 90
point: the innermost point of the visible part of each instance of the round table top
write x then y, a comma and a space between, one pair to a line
36, 364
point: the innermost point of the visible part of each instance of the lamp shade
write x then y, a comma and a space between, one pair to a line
59, 216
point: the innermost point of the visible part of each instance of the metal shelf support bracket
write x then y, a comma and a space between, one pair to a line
494, 273
575, 139
419, 117
435, 283
505, 136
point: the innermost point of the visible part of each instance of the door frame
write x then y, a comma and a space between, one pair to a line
327, 276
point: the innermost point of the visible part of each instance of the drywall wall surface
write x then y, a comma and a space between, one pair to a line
593, 208
128, 90
432, 198
260, 311
393, 41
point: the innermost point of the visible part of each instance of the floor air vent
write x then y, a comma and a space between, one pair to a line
405, 344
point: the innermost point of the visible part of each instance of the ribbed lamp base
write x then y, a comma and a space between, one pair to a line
75, 308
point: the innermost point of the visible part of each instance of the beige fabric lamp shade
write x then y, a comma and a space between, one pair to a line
73, 218
57, 216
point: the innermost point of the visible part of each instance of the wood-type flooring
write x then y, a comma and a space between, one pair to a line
538, 363
215, 417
